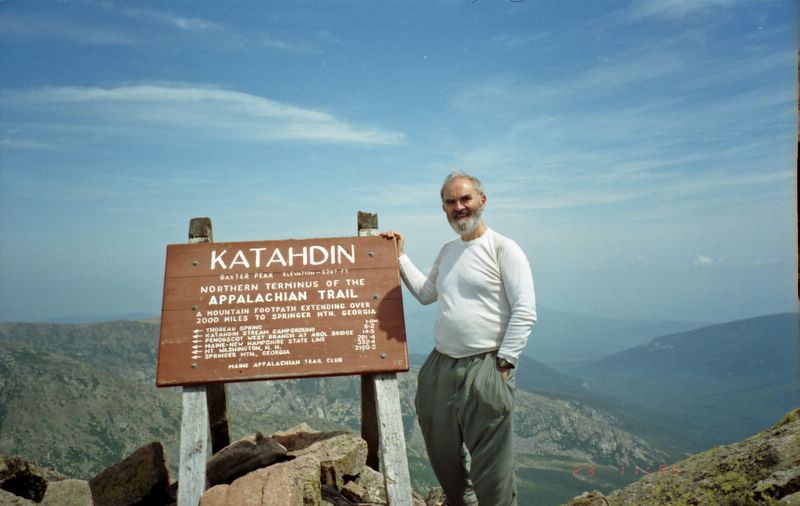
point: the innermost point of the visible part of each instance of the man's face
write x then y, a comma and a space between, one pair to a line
463, 206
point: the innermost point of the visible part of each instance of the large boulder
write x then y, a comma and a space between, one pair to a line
68, 493
342, 455
310, 468
242, 457
293, 483
140, 479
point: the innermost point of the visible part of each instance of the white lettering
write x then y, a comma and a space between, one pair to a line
343, 252
318, 261
240, 259
277, 256
307, 255
217, 259
303, 255
258, 255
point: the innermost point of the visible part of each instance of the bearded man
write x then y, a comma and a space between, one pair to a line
483, 284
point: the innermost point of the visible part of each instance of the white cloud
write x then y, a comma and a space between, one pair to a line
180, 22
222, 35
197, 111
42, 28
161, 17
703, 260
152, 27
674, 9
514, 40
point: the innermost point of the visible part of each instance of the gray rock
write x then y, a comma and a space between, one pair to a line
374, 485
354, 492
141, 478
790, 500
593, 498
9, 499
293, 483
68, 493
341, 456
242, 457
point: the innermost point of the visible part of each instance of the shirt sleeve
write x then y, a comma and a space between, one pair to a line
422, 287
518, 283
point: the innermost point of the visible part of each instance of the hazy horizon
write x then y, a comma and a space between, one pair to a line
641, 152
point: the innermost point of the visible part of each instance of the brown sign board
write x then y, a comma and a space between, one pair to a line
244, 311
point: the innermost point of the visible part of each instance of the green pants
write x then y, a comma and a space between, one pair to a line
461, 403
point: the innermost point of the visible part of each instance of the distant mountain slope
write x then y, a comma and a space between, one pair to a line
87, 318
562, 336
558, 336
80, 413
77, 419
126, 348
71, 417
730, 380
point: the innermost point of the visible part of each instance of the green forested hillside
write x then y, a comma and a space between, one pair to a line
125, 348
77, 398
77, 419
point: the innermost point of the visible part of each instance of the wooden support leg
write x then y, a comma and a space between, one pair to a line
394, 461
369, 421
217, 398
194, 446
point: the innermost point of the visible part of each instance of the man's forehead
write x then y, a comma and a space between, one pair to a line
459, 186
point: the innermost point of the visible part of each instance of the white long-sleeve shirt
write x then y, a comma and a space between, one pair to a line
485, 293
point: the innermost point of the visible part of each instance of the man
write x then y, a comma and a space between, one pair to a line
465, 395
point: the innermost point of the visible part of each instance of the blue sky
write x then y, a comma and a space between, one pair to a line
641, 152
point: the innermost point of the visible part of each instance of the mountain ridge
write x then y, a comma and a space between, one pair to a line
89, 379
94, 409
718, 369
558, 336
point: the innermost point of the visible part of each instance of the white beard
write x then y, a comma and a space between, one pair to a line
467, 225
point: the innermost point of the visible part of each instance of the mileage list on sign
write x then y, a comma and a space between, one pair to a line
280, 309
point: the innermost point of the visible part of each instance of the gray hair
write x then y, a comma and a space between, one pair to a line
476, 183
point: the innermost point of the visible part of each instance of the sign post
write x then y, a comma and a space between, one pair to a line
200, 231
381, 416
194, 415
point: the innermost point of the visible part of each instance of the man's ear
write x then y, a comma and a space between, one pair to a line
483, 199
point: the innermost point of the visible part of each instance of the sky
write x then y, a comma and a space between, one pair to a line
641, 152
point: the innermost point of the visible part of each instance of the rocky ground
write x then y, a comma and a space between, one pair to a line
302, 466
764, 469
299, 467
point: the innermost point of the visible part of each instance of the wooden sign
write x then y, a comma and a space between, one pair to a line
280, 309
